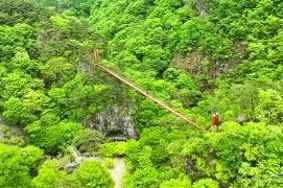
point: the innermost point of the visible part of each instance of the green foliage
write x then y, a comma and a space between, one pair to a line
73, 33
14, 37
43, 93
91, 175
251, 100
17, 165
78, 7
182, 182
153, 160
88, 140
113, 149
17, 11
109, 163
270, 107
16, 84
21, 61
53, 138
206, 183
57, 70
49, 176
78, 99
236, 155
17, 113
143, 177
199, 56
25, 110
212, 37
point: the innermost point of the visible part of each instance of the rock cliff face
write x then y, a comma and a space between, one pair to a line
201, 7
115, 123
11, 134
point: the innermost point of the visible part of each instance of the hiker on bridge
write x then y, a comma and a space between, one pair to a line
215, 120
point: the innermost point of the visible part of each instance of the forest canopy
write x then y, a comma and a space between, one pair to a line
65, 123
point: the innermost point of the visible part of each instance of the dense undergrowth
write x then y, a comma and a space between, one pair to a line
199, 56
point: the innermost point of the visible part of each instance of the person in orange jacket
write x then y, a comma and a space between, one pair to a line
215, 121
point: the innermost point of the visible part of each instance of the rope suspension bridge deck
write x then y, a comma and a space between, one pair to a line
143, 92
95, 57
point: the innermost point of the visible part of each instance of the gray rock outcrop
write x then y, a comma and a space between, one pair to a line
115, 123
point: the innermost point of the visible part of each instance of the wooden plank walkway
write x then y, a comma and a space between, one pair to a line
147, 95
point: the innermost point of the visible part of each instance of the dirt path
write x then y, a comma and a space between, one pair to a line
118, 171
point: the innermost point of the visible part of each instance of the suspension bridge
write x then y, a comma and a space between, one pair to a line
95, 58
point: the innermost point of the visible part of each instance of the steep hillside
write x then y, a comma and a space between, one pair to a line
64, 122
193, 47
